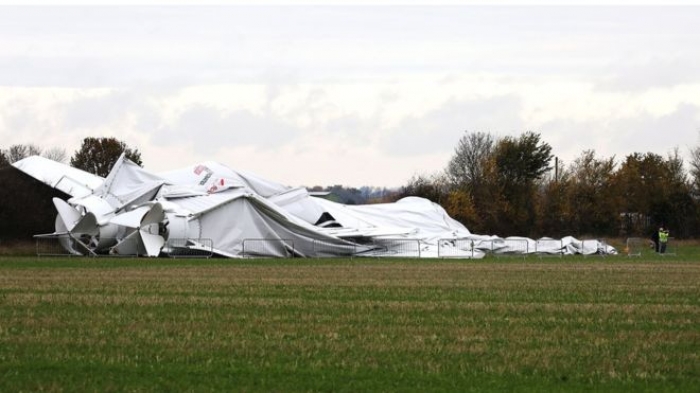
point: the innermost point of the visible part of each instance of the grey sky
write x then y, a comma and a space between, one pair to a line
356, 95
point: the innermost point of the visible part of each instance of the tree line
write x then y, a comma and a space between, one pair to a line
95, 155
515, 186
98, 155
500, 185
26, 206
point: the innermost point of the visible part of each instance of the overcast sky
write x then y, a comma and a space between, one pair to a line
352, 95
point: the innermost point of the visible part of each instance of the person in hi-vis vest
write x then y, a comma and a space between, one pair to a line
663, 239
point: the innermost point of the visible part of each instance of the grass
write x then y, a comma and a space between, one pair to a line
507, 324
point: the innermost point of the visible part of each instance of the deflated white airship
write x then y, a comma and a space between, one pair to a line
209, 207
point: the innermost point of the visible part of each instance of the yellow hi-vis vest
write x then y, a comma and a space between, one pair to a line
663, 236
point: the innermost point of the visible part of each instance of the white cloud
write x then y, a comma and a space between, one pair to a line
642, 132
207, 129
439, 131
352, 95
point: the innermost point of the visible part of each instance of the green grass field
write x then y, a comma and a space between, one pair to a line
511, 324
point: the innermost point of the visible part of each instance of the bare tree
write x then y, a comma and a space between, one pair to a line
19, 151
466, 167
695, 169
57, 154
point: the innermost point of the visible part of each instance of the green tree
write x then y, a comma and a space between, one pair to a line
460, 207
655, 192
554, 210
637, 183
3, 160
522, 160
27, 207
98, 155
594, 205
433, 188
519, 165
679, 209
695, 171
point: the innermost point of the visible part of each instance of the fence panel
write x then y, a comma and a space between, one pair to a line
455, 248
273, 248
670, 248
190, 248
53, 246
66, 245
511, 247
60, 245
635, 245
322, 249
591, 247
489, 246
549, 247
396, 248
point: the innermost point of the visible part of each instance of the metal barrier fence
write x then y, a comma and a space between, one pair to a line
321, 248
396, 247
388, 247
52, 247
635, 245
594, 247
549, 247
190, 248
274, 248
510, 247
670, 249
60, 245
455, 248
